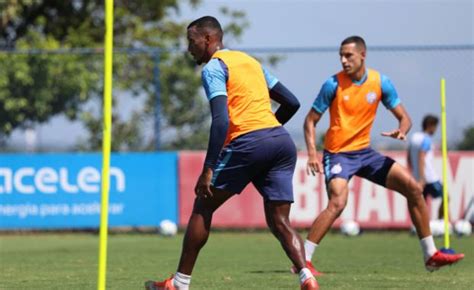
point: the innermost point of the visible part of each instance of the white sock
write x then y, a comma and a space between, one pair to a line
428, 247
309, 248
181, 281
305, 274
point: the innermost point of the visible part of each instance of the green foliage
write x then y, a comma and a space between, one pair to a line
34, 88
467, 143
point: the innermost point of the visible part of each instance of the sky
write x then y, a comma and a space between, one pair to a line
306, 23
416, 75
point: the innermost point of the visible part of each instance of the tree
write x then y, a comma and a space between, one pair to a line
33, 88
467, 143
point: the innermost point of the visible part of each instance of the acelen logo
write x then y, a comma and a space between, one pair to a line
48, 180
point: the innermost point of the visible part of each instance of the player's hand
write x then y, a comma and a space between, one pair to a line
203, 185
314, 165
396, 134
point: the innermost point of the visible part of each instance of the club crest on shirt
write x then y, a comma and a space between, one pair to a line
336, 168
371, 97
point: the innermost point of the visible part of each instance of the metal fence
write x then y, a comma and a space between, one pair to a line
415, 71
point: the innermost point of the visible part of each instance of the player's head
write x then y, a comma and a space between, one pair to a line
429, 124
204, 38
352, 53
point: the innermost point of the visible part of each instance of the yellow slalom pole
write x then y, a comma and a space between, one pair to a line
107, 131
444, 148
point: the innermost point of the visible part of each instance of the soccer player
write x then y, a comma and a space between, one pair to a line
352, 97
247, 143
420, 160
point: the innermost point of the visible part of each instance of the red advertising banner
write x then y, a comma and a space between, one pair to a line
372, 206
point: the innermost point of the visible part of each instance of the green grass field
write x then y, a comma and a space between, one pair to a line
231, 260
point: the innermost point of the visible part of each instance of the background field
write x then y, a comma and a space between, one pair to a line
231, 260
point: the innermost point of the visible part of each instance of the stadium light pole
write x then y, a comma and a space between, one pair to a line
106, 143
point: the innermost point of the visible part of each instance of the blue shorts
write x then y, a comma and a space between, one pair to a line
434, 189
265, 157
366, 163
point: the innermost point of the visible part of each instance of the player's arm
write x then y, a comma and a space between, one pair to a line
314, 165
392, 102
218, 133
219, 126
404, 123
320, 105
289, 104
214, 82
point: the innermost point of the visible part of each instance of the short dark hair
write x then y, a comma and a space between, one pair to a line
429, 120
207, 22
359, 41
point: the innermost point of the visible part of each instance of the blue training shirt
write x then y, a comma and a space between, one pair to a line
327, 93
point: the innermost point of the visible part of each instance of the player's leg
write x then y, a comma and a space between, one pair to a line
229, 178
338, 192
338, 170
277, 216
400, 180
272, 175
197, 233
386, 172
199, 225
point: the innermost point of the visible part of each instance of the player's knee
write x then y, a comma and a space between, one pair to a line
203, 207
337, 205
415, 188
415, 191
